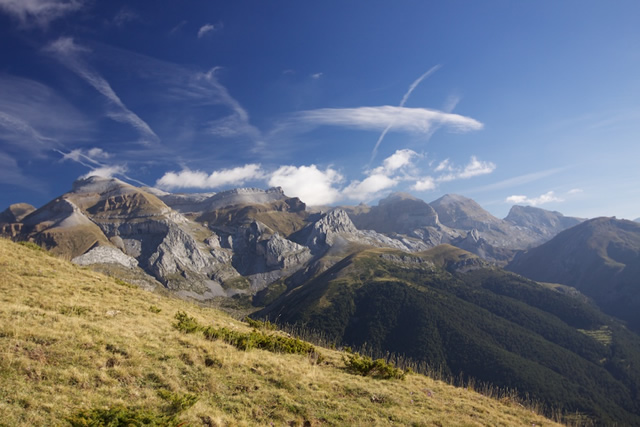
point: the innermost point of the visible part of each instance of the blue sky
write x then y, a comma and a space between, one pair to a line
528, 102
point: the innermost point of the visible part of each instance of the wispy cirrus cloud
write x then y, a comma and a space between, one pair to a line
70, 54
401, 119
34, 118
403, 101
547, 197
518, 180
209, 28
39, 13
475, 167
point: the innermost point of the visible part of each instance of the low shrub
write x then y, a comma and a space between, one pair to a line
366, 366
121, 416
185, 323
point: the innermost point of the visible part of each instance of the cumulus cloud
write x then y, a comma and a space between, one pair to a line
369, 188
208, 28
198, 179
312, 185
424, 184
70, 54
106, 171
475, 167
39, 13
398, 160
535, 201
411, 120
392, 171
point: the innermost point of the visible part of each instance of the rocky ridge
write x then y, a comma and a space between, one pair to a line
241, 241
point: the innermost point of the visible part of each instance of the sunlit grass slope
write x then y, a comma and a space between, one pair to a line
75, 343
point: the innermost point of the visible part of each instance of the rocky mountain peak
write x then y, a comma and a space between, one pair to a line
461, 212
15, 213
100, 185
397, 196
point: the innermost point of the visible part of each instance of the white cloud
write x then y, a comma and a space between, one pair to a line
475, 167
316, 76
444, 165
106, 171
412, 120
313, 186
39, 12
98, 153
369, 188
575, 191
398, 160
69, 54
208, 28
198, 179
535, 201
424, 184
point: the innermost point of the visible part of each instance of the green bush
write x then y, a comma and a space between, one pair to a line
185, 323
245, 340
121, 416
177, 402
366, 366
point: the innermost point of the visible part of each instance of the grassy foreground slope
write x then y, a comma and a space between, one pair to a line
73, 340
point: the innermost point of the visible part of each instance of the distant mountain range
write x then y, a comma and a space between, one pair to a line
238, 242
600, 258
405, 276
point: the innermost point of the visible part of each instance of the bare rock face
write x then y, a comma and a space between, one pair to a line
284, 254
398, 213
542, 222
336, 229
15, 213
105, 255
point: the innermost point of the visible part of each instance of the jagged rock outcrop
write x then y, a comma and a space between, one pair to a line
105, 255
335, 230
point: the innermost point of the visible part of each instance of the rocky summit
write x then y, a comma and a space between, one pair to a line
241, 241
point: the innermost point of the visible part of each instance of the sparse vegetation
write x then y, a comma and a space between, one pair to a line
366, 366
135, 367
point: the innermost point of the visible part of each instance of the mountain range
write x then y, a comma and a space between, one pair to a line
240, 241
420, 279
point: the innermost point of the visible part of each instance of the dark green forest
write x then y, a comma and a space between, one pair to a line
478, 322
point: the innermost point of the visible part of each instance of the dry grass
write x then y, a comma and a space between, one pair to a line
72, 339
